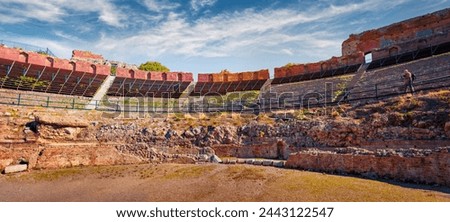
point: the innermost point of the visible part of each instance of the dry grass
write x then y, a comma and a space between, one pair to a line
191, 172
170, 182
245, 173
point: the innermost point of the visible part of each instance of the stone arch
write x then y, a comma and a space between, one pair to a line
74, 65
180, 77
23, 57
49, 62
94, 69
281, 147
164, 76
132, 73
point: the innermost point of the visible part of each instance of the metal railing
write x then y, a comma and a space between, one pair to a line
27, 47
378, 91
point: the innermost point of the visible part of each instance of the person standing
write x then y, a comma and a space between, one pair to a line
408, 79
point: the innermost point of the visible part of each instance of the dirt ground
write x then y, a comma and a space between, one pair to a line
190, 183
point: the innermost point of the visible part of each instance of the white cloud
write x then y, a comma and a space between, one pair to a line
229, 34
199, 4
159, 5
16, 11
243, 35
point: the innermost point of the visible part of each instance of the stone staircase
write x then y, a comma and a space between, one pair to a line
184, 97
101, 92
361, 71
386, 81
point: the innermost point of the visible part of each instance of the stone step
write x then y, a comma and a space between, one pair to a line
256, 162
15, 168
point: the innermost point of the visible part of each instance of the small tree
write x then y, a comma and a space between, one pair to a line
153, 66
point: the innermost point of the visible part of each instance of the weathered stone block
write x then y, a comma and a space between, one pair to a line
16, 168
278, 164
241, 161
267, 163
249, 161
257, 162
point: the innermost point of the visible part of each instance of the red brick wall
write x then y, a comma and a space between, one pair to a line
85, 55
123, 72
203, 77
37, 59
62, 64
103, 70
172, 76
81, 66
398, 33
333, 63
139, 74
234, 77
187, 77
9, 54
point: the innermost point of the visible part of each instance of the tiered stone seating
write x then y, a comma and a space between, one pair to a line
223, 83
432, 72
410, 56
41, 99
305, 92
31, 71
136, 83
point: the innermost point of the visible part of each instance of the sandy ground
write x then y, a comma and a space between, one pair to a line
180, 183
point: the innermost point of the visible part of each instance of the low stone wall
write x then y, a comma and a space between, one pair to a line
266, 148
37, 157
409, 165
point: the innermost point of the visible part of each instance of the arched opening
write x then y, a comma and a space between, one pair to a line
281, 146
74, 66
210, 78
225, 77
180, 77
49, 62
131, 74
240, 76
149, 76
94, 69
393, 51
23, 57
164, 76
368, 57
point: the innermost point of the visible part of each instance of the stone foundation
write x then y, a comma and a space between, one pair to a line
409, 165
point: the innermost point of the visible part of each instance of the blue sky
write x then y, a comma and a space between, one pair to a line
202, 36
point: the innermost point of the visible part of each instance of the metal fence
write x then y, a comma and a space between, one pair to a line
192, 105
27, 47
